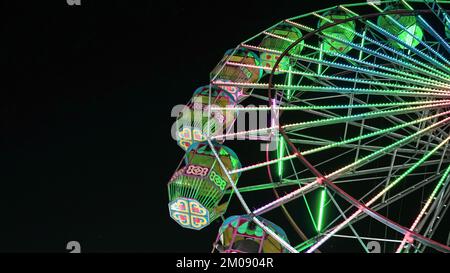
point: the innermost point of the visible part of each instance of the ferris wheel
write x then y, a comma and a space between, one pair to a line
359, 100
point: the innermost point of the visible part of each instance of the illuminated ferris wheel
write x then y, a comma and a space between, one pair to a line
359, 99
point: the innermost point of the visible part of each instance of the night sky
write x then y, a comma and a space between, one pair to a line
85, 116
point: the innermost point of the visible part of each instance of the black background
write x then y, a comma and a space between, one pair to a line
87, 93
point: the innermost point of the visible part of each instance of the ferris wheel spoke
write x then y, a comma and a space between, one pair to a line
427, 154
291, 181
338, 144
362, 126
343, 154
368, 115
439, 208
323, 76
389, 201
380, 194
361, 147
344, 90
405, 164
428, 28
391, 74
442, 183
395, 226
412, 68
297, 178
364, 160
403, 43
365, 209
346, 8
392, 170
440, 211
439, 214
392, 61
364, 37
313, 185
352, 61
368, 238
287, 182
290, 107
349, 225
369, 69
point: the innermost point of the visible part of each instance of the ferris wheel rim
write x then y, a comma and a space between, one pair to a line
319, 180
330, 184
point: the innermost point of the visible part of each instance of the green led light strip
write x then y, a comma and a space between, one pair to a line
321, 210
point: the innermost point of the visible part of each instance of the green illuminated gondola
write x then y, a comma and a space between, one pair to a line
279, 39
197, 188
336, 37
403, 27
240, 65
239, 234
194, 123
